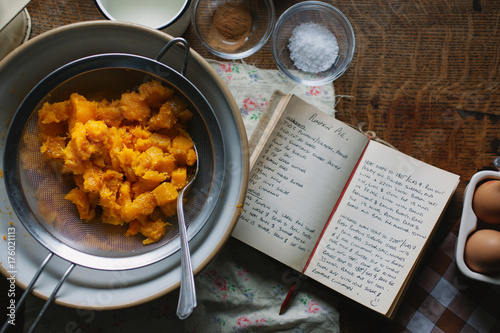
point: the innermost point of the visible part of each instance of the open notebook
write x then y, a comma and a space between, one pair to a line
346, 211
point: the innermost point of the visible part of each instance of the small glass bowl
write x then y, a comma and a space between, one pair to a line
325, 15
263, 19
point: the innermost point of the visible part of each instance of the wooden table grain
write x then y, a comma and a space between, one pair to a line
424, 77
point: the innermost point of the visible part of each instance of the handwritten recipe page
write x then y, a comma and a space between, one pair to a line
348, 212
302, 170
378, 230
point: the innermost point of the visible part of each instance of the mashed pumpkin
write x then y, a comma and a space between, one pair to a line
128, 157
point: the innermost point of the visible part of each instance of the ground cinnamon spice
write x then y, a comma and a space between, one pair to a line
232, 21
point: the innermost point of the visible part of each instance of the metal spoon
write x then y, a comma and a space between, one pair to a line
496, 163
187, 295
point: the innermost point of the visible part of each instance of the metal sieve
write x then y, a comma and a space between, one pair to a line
36, 189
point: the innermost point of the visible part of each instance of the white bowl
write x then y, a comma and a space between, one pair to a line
95, 289
16, 32
468, 224
170, 16
10, 9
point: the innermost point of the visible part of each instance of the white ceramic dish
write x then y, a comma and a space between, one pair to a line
10, 9
16, 32
468, 224
95, 289
172, 16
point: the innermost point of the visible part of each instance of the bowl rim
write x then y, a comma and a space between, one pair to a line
313, 5
176, 18
240, 55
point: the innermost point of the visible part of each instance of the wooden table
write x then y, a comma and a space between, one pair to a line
425, 77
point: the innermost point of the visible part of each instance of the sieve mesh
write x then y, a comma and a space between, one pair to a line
42, 186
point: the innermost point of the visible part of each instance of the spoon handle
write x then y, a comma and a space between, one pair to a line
187, 296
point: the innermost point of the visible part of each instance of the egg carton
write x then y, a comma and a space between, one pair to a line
468, 225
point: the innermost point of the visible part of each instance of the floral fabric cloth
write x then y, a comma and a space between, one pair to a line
252, 89
241, 290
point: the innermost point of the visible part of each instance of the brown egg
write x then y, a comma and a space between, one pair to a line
486, 202
482, 251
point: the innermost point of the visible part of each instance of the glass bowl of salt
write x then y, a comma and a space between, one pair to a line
313, 43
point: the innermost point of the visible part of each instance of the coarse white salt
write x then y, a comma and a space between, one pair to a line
313, 48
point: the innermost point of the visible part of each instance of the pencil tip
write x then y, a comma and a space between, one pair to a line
284, 306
